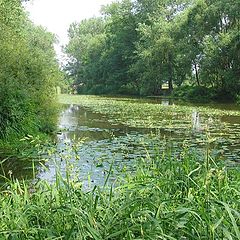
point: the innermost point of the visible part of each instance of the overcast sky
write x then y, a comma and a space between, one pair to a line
57, 15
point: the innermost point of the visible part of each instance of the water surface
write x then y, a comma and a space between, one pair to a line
107, 139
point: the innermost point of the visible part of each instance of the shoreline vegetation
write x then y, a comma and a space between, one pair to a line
134, 48
29, 74
189, 197
145, 47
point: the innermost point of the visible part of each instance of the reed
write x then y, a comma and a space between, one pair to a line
183, 197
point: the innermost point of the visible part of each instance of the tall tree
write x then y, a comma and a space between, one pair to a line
147, 43
28, 73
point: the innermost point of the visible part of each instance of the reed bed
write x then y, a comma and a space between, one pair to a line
184, 197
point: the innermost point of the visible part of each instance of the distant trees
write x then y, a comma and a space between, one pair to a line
144, 44
85, 48
28, 74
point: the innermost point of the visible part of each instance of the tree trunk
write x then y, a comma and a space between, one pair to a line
196, 74
170, 80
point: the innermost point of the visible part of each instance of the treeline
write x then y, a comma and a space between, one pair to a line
137, 46
28, 74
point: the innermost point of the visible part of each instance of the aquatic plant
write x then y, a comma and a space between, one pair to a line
174, 121
183, 197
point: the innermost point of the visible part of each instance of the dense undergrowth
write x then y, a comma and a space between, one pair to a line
185, 197
29, 74
203, 94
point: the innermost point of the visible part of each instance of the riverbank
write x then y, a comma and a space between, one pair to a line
189, 197
201, 94
185, 93
161, 195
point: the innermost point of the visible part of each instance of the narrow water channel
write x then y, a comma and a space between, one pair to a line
102, 144
105, 142
89, 143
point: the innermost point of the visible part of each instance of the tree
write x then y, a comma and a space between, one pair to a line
28, 74
87, 40
143, 44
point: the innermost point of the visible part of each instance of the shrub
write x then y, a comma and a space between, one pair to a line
28, 75
195, 93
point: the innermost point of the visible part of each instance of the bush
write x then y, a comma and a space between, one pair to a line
223, 95
28, 75
200, 94
128, 89
195, 93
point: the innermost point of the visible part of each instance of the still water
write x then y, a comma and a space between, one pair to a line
90, 143
105, 142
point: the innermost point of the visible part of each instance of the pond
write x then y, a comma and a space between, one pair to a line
99, 132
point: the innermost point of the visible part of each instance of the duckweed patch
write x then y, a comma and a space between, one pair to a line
177, 122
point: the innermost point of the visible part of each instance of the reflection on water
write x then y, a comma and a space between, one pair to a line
166, 102
196, 125
20, 168
105, 142
77, 122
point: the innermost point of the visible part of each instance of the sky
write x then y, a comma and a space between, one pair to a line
57, 15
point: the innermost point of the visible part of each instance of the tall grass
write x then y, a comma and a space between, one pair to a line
183, 197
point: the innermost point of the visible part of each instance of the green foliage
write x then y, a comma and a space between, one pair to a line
28, 74
146, 44
100, 57
87, 41
195, 93
188, 197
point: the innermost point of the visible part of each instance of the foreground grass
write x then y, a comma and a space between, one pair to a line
166, 198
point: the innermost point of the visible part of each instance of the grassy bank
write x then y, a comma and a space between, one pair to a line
188, 197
